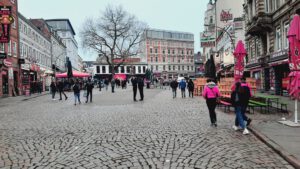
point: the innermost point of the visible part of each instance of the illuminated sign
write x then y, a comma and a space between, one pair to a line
6, 20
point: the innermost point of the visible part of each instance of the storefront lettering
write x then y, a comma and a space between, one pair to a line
280, 53
7, 63
226, 16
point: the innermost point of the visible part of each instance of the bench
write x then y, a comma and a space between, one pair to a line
283, 105
225, 104
254, 104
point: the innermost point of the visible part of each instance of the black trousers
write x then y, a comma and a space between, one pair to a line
112, 89
211, 104
89, 93
141, 90
134, 92
191, 93
62, 92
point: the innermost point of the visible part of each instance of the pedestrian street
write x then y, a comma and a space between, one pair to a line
115, 132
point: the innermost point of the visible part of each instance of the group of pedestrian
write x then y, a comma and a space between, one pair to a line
241, 93
76, 87
137, 83
182, 85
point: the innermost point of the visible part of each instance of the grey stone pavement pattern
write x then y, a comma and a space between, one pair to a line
115, 132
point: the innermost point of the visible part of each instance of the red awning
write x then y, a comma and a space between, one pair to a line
75, 74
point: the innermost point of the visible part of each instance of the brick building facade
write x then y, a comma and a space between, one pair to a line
169, 54
10, 70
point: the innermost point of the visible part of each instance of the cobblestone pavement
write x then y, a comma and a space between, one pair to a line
115, 132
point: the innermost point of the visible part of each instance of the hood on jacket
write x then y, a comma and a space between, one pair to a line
211, 84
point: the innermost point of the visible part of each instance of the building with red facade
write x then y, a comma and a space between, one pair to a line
169, 54
9, 67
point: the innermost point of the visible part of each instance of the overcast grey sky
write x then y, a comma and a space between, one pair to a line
177, 15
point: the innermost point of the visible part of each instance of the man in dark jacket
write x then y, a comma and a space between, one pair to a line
191, 88
61, 90
134, 87
141, 88
174, 85
89, 90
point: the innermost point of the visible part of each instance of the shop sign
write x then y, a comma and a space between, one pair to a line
10, 73
25, 66
6, 20
7, 63
279, 53
226, 16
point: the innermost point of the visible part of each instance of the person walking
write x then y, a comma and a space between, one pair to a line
100, 84
76, 90
113, 83
61, 90
89, 89
182, 86
191, 88
211, 93
238, 99
174, 85
141, 88
106, 82
134, 83
53, 89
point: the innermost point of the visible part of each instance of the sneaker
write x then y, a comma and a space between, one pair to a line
235, 128
215, 124
66, 98
248, 121
53, 99
245, 131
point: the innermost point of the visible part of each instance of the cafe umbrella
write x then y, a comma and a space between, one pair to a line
239, 54
294, 61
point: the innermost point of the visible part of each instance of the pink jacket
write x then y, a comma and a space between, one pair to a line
211, 90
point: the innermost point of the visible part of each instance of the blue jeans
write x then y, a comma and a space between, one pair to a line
239, 116
77, 97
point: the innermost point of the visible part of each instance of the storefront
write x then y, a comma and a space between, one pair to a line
9, 82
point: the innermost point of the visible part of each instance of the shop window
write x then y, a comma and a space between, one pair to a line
9, 48
2, 47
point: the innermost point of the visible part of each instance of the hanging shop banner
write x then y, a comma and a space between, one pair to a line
6, 20
7, 63
226, 16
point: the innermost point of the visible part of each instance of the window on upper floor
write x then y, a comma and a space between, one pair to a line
163, 51
173, 67
278, 39
173, 52
156, 59
9, 48
192, 67
155, 50
178, 67
151, 67
164, 67
14, 49
169, 67
156, 67
2, 47
151, 59
150, 50
188, 67
98, 69
164, 59
168, 51
286, 29
182, 67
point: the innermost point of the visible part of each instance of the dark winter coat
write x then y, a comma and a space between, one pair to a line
174, 84
191, 85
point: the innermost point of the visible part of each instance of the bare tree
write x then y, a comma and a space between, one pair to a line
114, 35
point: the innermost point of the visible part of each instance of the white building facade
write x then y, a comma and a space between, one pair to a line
35, 49
67, 34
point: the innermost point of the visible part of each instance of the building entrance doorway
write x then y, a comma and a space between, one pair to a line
5, 84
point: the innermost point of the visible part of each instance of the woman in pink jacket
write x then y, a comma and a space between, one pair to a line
211, 93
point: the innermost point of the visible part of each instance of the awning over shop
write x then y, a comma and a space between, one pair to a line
75, 74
